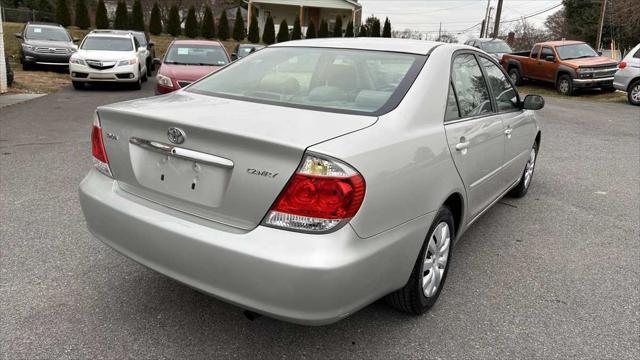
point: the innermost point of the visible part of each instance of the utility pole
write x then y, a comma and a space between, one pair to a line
603, 9
440, 31
498, 13
485, 21
486, 32
483, 26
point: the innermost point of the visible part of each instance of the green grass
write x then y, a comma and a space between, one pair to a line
548, 90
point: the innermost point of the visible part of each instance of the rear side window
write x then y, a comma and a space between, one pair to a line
470, 86
637, 54
535, 51
504, 93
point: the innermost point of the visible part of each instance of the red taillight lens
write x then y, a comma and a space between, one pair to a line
622, 65
100, 159
322, 194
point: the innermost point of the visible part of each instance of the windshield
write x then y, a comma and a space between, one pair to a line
196, 55
107, 43
575, 51
495, 47
47, 33
347, 80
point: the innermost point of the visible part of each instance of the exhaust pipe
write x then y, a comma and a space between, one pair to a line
251, 315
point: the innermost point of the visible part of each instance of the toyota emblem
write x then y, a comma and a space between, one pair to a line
176, 135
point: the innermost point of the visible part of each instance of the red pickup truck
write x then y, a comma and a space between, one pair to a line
567, 64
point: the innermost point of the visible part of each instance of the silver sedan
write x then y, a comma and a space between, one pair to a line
313, 177
627, 78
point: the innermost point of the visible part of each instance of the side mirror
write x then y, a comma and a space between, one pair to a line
142, 48
533, 102
157, 62
550, 58
151, 44
234, 57
599, 53
19, 36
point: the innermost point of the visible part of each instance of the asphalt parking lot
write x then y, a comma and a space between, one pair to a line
553, 275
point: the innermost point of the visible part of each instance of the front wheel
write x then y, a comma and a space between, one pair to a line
527, 175
78, 85
633, 94
565, 85
430, 269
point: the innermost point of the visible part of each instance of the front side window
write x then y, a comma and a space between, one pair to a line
186, 54
546, 52
575, 51
504, 93
470, 86
46, 33
329, 79
107, 43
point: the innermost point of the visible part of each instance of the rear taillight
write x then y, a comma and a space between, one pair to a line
100, 160
321, 196
622, 65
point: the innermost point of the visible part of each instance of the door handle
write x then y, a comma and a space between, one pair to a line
508, 131
462, 146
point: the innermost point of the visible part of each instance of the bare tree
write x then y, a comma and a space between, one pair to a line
556, 25
526, 35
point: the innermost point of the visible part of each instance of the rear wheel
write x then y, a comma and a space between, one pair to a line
633, 93
515, 76
527, 175
78, 85
430, 270
26, 66
149, 68
565, 85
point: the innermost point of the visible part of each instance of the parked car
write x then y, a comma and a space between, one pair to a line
45, 44
242, 50
315, 176
143, 41
106, 56
569, 65
495, 47
628, 76
186, 61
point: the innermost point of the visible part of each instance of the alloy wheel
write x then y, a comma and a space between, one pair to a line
435, 259
528, 171
564, 86
635, 93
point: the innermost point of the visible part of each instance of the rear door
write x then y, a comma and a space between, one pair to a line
475, 133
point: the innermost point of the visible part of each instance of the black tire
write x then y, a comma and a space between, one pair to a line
523, 186
608, 89
144, 77
634, 91
564, 85
149, 68
26, 66
138, 84
515, 76
411, 298
78, 85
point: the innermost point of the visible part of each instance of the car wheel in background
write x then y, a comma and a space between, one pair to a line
78, 85
430, 270
138, 84
149, 68
514, 74
633, 93
527, 175
26, 66
565, 85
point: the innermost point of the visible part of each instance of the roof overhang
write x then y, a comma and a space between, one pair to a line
330, 4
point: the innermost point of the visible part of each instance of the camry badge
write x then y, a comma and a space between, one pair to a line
176, 135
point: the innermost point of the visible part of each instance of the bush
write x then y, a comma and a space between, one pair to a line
238, 26
62, 13
375, 28
269, 33
349, 31
102, 21
207, 28
254, 30
137, 17
82, 15
173, 23
296, 33
323, 32
223, 26
283, 32
386, 30
122, 16
311, 31
191, 24
337, 28
155, 21
363, 31
45, 6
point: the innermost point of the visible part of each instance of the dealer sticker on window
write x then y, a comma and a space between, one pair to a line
37, 30
183, 51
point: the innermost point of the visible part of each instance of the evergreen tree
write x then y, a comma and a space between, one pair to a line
62, 13
207, 29
362, 32
323, 32
254, 30
191, 24
375, 28
269, 32
173, 23
296, 33
386, 30
45, 6
82, 15
223, 26
155, 21
137, 17
337, 28
122, 16
283, 32
238, 26
101, 20
349, 31
311, 31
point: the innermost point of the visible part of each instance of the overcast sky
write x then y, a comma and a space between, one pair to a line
456, 15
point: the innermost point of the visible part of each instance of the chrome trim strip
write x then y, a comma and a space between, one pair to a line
178, 152
586, 81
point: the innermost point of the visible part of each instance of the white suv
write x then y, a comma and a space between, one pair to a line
107, 56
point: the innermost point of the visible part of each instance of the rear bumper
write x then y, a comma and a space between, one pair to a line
586, 83
302, 278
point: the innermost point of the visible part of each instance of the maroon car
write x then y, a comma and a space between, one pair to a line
187, 61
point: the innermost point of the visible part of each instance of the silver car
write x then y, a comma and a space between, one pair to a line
627, 78
313, 177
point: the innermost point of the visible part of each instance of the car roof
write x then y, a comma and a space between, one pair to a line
380, 44
39, 23
561, 42
197, 42
486, 39
111, 34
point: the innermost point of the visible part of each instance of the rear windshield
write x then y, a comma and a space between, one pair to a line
107, 43
46, 33
196, 55
576, 51
495, 47
353, 81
